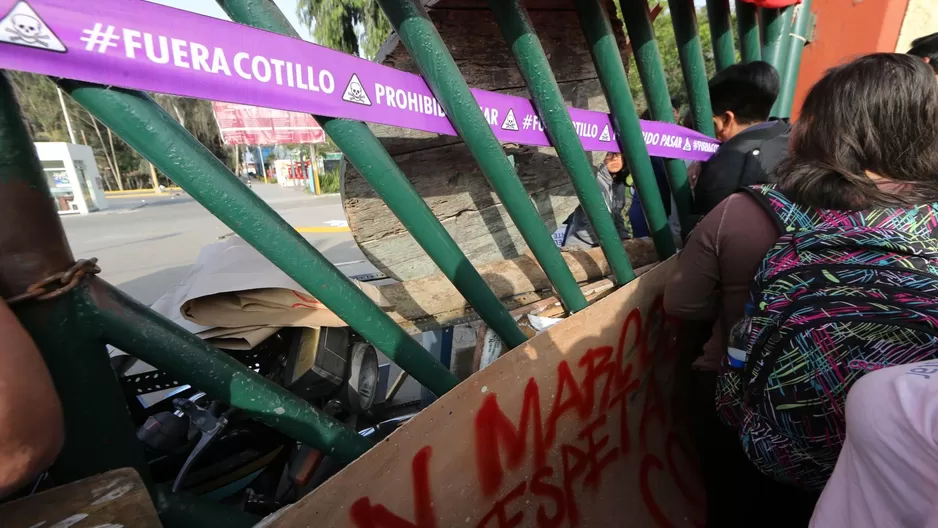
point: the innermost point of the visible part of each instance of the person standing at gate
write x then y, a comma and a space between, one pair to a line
862, 182
927, 49
742, 96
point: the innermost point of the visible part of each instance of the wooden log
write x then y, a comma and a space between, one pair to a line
577, 426
434, 298
114, 499
441, 167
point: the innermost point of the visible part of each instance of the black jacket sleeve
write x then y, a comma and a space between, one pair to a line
719, 178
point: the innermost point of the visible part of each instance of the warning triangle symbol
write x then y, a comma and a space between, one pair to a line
687, 147
605, 135
510, 123
23, 27
355, 92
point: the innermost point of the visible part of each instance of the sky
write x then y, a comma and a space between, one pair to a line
210, 8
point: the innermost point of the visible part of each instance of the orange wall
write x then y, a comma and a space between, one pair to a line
845, 29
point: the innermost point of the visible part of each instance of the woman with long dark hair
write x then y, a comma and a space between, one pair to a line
866, 139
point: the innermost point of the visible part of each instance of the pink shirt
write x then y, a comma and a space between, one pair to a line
887, 473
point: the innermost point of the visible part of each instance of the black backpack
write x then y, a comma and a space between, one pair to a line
748, 159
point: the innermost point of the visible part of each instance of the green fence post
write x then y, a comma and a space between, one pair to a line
775, 25
366, 153
796, 45
152, 338
747, 28
655, 85
684, 21
421, 38
532, 62
611, 72
146, 127
98, 431
721, 33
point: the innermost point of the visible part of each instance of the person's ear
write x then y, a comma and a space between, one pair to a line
724, 124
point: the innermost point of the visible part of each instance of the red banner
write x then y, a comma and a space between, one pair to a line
252, 125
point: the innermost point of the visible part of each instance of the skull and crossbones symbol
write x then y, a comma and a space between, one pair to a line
356, 93
28, 30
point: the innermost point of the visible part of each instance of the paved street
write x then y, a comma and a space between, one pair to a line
146, 244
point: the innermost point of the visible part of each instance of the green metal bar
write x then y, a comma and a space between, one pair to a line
747, 28
366, 153
655, 85
146, 127
605, 51
784, 48
796, 44
129, 325
421, 38
99, 435
775, 25
721, 33
516, 29
684, 21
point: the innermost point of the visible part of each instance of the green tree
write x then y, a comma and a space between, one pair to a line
39, 99
353, 26
667, 48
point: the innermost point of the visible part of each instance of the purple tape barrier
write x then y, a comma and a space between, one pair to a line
144, 46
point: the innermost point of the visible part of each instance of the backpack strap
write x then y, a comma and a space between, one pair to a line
785, 214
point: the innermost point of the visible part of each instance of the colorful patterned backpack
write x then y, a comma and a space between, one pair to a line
839, 294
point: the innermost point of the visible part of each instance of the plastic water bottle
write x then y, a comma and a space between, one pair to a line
738, 346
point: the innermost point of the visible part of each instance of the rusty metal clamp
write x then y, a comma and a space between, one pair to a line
59, 283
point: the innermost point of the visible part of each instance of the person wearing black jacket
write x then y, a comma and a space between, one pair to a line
742, 96
927, 48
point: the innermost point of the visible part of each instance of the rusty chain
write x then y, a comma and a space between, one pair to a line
59, 283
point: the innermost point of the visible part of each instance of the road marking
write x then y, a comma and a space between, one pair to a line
323, 229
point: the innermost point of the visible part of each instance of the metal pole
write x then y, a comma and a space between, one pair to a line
655, 85
784, 47
260, 156
146, 127
517, 31
154, 179
314, 165
68, 120
684, 21
796, 45
421, 38
99, 433
775, 25
365, 152
156, 340
747, 28
721, 34
611, 72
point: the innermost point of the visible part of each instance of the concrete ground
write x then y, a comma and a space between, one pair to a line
146, 244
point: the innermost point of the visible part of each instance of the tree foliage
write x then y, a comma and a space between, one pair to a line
667, 48
358, 27
39, 100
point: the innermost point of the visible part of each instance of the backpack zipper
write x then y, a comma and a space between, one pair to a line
767, 331
758, 385
844, 265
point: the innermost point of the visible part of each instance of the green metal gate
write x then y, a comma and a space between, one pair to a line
72, 315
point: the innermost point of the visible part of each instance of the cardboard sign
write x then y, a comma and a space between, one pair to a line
145, 46
574, 428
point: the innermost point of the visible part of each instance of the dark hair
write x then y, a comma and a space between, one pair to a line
748, 90
927, 48
878, 113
